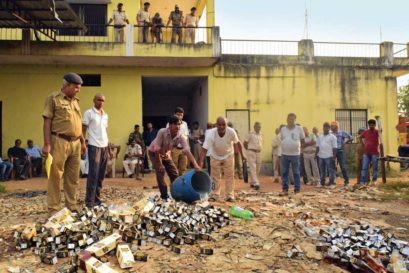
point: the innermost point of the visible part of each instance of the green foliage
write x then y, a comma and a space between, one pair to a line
403, 99
2, 189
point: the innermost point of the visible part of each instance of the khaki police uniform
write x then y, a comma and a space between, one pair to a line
66, 128
254, 145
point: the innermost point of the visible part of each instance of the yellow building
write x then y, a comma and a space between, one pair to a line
213, 77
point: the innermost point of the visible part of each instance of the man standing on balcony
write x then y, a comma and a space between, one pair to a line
191, 23
144, 19
176, 17
120, 20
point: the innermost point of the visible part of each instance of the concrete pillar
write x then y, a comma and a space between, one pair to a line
407, 50
210, 14
386, 53
306, 50
216, 42
129, 42
25, 41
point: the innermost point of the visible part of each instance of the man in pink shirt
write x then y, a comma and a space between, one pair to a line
160, 153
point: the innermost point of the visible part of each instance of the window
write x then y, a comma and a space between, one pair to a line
91, 79
94, 17
351, 120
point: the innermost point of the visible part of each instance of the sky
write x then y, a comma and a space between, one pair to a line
363, 21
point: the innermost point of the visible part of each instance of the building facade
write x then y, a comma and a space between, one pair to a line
145, 82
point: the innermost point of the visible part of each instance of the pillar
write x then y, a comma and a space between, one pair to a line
386, 53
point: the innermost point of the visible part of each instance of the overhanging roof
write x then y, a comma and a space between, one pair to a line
38, 14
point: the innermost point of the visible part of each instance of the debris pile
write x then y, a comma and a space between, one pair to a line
356, 246
87, 236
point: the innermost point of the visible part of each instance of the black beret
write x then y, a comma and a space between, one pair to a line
173, 119
73, 78
179, 110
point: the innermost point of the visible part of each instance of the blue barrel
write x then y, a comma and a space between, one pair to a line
191, 186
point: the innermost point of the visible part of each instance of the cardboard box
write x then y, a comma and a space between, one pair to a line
95, 266
62, 217
105, 245
124, 255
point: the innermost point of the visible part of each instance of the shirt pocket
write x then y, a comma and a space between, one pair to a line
295, 136
64, 111
105, 121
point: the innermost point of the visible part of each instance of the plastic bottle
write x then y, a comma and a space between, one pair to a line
241, 213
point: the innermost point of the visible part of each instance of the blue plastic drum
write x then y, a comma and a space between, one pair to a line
191, 187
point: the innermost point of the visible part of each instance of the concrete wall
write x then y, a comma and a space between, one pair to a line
269, 91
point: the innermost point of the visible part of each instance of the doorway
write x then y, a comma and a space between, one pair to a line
161, 95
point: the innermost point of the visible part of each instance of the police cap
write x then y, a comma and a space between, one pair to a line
73, 78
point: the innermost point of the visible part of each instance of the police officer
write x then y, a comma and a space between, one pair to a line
64, 140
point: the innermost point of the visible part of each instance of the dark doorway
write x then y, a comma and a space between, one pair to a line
1, 128
161, 95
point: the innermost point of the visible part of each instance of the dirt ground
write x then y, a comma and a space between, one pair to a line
257, 245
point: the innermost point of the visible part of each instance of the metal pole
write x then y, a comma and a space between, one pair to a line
383, 169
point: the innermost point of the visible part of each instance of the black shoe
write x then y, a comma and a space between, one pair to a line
22, 177
256, 187
283, 193
296, 191
164, 197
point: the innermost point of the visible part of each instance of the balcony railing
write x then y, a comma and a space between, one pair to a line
259, 47
110, 34
400, 50
328, 49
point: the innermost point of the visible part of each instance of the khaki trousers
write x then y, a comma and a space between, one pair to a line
180, 160
227, 166
276, 166
311, 168
254, 160
66, 166
111, 168
238, 167
119, 35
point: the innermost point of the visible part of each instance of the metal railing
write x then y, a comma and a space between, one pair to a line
400, 50
173, 35
10, 34
330, 49
259, 47
111, 34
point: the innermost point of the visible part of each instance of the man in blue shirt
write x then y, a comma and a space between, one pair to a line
5, 170
342, 138
34, 153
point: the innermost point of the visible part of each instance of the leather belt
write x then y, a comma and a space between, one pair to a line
65, 137
253, 150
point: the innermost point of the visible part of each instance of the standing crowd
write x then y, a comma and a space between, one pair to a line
183, 27
171, 150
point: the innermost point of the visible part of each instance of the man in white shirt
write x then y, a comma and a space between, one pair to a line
327, 152
120, 20
95, 123
178, 157
292, 137
220, 141
144, 19
253, 144
133, 159
191, 22
276, 145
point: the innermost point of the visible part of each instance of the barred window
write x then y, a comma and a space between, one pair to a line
350, 120
94, 17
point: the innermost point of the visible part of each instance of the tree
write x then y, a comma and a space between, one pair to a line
403, 100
